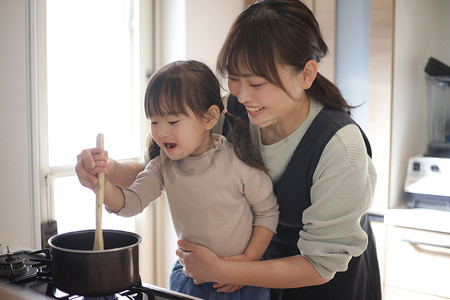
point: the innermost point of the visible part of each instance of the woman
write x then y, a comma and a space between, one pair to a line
317, 157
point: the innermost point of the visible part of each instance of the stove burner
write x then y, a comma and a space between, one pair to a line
12, 266
15, 269
137, 292
19, 266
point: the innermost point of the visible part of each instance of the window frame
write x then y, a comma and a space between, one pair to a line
47, 174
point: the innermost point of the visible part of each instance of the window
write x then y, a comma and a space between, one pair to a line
92, 84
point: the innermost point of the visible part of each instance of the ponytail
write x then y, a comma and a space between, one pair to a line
328, 94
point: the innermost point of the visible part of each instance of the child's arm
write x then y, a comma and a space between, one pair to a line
125, 172
90, 162
114, 199
259, 242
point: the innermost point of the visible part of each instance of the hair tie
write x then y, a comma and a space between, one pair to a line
224, 111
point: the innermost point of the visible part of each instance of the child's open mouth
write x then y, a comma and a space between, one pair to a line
170, 145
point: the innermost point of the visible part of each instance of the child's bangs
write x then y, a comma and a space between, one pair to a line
165, 98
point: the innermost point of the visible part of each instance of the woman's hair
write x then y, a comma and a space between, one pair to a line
278, 31
182, 84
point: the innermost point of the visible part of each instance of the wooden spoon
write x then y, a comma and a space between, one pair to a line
99, 193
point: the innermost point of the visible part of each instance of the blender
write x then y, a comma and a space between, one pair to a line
427, 183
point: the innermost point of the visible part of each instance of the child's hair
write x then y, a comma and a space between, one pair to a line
278, 31
192, 84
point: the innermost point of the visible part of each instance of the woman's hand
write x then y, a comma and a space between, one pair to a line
229, 288
199, 263
90, 162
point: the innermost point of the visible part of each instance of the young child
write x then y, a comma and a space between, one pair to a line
219, 194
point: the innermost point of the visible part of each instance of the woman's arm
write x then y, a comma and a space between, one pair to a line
204, 266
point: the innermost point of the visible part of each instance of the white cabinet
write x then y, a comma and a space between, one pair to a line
399, 294
417, 261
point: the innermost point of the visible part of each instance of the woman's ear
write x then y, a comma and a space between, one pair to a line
212, 116
308, 74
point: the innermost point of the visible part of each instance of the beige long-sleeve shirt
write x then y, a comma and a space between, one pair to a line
215, 199
342, 191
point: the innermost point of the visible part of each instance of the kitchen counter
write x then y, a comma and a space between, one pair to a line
425, 219
12, 292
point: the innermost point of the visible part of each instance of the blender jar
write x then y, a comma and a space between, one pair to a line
438, 97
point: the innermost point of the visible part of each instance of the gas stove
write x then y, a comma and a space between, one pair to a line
29, 273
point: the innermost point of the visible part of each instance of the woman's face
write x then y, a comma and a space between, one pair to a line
268, 106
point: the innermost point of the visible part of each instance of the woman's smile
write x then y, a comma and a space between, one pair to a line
254, 110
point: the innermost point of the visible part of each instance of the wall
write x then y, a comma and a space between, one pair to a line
185, 30
207, 30
194, 29
19, 210
421, 31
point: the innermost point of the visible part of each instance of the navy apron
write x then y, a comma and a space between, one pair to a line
361, 281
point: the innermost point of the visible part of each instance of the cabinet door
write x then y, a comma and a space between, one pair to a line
395, 294
418, 261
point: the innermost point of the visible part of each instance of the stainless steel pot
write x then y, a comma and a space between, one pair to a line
77, 269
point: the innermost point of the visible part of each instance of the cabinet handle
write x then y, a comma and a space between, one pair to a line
425, 244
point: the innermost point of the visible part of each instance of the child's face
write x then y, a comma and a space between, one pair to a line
180, 135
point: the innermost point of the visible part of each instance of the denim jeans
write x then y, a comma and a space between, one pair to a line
183, 284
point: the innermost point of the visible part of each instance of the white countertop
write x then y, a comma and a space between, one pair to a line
426, 219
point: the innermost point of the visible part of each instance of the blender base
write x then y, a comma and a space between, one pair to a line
438, 150
427, 201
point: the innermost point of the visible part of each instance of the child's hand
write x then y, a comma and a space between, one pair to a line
226, 288
90, 162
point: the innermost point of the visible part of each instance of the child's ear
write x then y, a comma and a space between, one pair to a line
212, 116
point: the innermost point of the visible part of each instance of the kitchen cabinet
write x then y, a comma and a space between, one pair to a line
400, 294
417, 262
